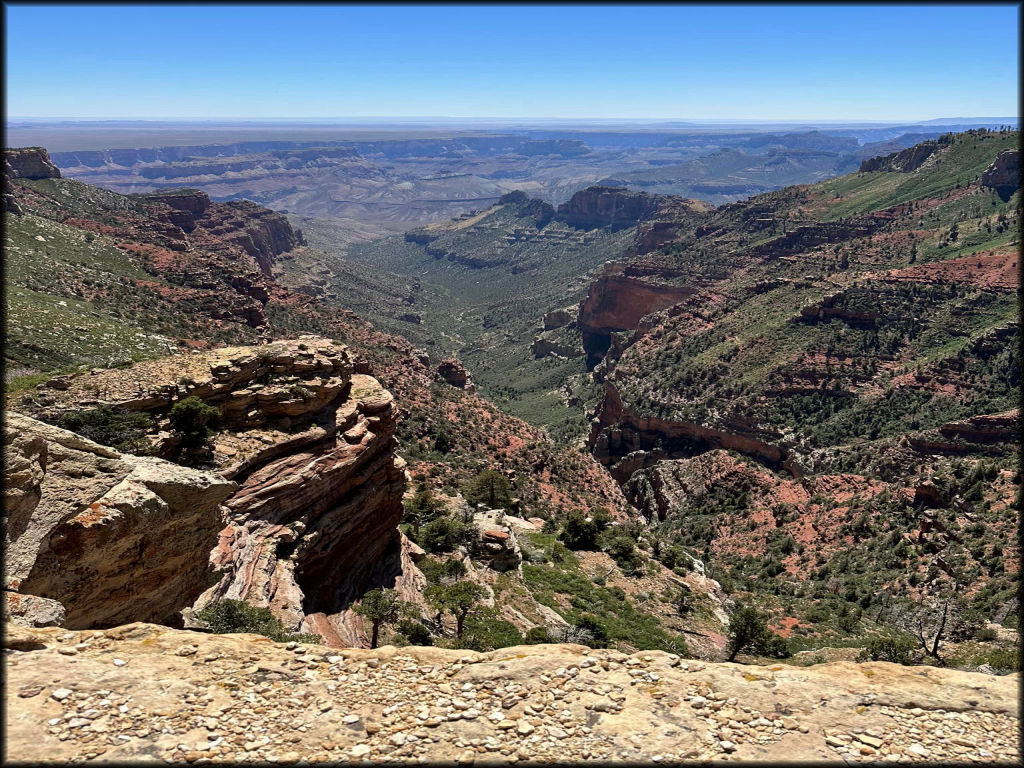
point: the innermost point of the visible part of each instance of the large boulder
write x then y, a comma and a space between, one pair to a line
112, 537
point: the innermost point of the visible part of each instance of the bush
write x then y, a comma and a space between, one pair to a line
622, 550
491, 488
748, 631
1004, 660
488, 633
579, 533
415, 633
536, 636
897, 649
595, 628
441, 571
195, 422
234, 616
445, 534
120, 429
986, 634
422, 508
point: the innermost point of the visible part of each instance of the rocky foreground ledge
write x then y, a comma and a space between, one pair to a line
143, 691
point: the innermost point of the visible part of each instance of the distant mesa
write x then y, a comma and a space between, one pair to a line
613, 207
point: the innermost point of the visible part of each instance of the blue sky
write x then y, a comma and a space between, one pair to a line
832, 62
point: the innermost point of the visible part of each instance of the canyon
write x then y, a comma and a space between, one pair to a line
804, 401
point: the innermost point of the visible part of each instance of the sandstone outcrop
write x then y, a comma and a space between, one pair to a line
626, 442
617, 302
557, 318
33, 611
262, 233
1004, 173
985, 428
453, 372
498, 545
29, 163
613, 207
311, 447
147, 692
111, 537
904, 161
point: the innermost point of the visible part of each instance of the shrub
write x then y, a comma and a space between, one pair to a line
234, 616
490, 487
579, 533
898, 649
439, 571
300, 392
195, 422
986, 634
593, 626
749, 631
116, 427
414, 632
488, 633
445, 534
1004, 660
536, 636
421, 508
622, 550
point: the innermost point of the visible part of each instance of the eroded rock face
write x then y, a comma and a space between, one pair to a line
613, 207
1004, 173
308, 526
617, 302
29, 163
904, 161
113, 538
626, 442
454, 372
33, 611
308, 447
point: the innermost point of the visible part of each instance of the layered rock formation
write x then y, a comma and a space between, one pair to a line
453, 372
905, 160
1004, 173
613, 207
29, 163
617, 302
306, 448
111, 537
625, 441
147, 692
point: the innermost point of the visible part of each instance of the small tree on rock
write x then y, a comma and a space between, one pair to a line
490, 487
379, 606
458, 599
195, 422
747, 631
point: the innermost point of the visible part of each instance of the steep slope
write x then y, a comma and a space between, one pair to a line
476, 287
843, 336
98, 279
